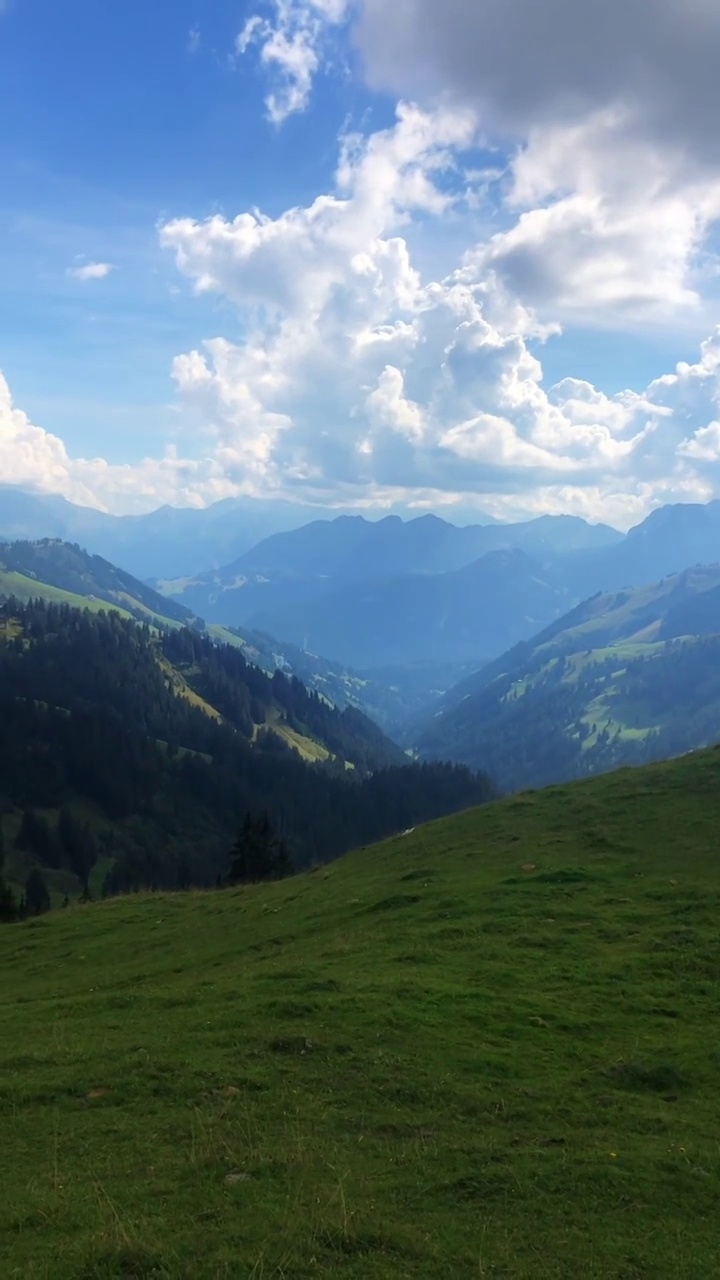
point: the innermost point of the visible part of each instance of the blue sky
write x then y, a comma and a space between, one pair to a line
115, 120
453, 278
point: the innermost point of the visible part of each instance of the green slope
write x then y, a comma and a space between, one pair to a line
624, 678
483, 1049
63, 573
24, 588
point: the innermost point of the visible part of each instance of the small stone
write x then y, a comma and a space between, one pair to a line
98, 1093
231, 1179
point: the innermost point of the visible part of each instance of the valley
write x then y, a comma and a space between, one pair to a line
290, 993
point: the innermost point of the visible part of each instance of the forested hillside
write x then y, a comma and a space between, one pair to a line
154, 747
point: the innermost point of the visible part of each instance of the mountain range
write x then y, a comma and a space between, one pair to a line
167, 542
388, 592
425, 591
465, 643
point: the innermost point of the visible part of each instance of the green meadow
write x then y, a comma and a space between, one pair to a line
487, 1048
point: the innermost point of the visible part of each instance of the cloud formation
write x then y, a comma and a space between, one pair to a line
91, 271
523, 65
359, 376
292, 41
362, 378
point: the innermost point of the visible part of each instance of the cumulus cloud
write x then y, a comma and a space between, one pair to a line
91, 271
608, 108
291, 40
362, 379
609, 227
606, 111
357, 377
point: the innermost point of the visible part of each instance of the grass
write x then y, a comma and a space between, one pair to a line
305, 747
483, 1049
24, 588
182, 689
223, 635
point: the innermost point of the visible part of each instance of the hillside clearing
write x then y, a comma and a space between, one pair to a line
479, 1049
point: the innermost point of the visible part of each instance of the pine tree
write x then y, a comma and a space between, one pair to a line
8, 906
37, 837
258, 853
37, 898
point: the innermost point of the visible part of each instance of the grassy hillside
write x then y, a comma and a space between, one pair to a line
624, 678
23, 588
481, 1049
62, 573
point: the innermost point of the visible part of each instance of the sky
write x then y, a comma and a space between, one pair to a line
412, 256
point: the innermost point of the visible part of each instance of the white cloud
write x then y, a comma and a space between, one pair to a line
194, 38
361, 379
292, 42
607, 110
91, 271
387, 406
610, 226
357, 377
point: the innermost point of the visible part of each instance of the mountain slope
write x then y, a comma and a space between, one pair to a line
58, 571
393, 697
473, 612
484, 1041
163, 742
620, 679
669, 540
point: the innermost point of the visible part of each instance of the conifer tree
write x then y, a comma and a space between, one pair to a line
37, 897
8, 906
258, 853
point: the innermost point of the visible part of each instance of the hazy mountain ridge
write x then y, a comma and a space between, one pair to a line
168, 542
381, 593
376, 594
